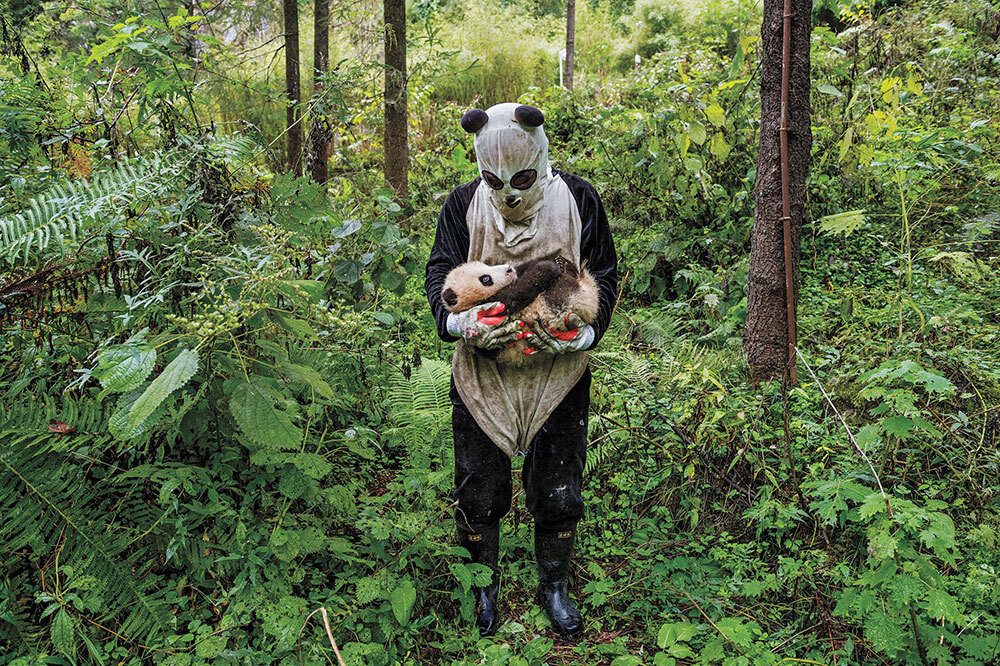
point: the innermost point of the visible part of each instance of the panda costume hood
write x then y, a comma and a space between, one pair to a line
518, 210
512, 152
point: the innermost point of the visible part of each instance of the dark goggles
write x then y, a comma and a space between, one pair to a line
521, 180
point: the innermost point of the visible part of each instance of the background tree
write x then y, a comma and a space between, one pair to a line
293, 90
319, 132
765, 338
570, 43
397, 159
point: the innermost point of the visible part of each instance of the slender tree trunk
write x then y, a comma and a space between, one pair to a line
397, 160
766, 336
319, 132
293, 89
570, 43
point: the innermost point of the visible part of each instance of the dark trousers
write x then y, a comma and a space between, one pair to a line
552, 474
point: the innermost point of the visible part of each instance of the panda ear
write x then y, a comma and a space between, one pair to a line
473, 120
449, 297
529, 116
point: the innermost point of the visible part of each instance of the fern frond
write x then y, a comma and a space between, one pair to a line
48, 503
419, 407
661, 330
235, 149
74, 207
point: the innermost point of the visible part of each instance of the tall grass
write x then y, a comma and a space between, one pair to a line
498, 53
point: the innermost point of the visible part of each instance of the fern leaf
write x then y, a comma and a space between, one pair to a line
95, 205
47, 502
419, 407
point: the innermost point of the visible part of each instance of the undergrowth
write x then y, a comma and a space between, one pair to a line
223, 404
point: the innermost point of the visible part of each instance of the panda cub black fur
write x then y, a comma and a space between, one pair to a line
545, 290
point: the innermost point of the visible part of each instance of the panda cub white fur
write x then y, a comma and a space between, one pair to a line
545, 290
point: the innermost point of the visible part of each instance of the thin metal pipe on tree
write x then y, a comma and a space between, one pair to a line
786, 203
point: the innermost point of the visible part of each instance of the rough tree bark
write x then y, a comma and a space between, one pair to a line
319, 131
765, 338
570, 43
293, 90
397, 159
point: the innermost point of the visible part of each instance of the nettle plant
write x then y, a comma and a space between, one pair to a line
905, 593
898, 386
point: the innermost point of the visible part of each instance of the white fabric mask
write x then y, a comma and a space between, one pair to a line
513, 159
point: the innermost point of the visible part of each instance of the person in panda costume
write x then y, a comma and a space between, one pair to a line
517, 210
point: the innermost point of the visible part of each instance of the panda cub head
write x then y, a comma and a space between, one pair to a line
473, 282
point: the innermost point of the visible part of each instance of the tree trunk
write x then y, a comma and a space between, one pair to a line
319, 132
293, 89
397, 158
570, 43
766, 336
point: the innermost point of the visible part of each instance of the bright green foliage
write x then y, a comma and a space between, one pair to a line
125, 367
254, 406
224, 405
72, 210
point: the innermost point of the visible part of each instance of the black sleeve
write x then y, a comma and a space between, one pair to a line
451, 248
597, 248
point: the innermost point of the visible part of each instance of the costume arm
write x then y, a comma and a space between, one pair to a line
597, 248
451, 247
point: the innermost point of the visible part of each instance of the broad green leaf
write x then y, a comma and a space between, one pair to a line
882, 545
943, 606
693, 164
845, 143
885, 633
347, 228
696, 132
715, 115
900, 426
367, 590
312, 464
872, 505
827, 89
719, 147
174, 376
294, 483
124, 367
939, 535
62, 632
402, 600
462, 575
297, 327
347, 271
255, 411
305, 374
537, 648
842, 223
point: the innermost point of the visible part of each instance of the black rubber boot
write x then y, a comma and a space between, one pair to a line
553, 549
484, 546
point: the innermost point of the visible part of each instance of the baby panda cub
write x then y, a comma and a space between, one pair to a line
545, 290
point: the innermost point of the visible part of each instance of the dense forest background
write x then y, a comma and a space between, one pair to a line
223, 405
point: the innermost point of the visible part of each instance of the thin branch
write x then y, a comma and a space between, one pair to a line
850, 435
329, 633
